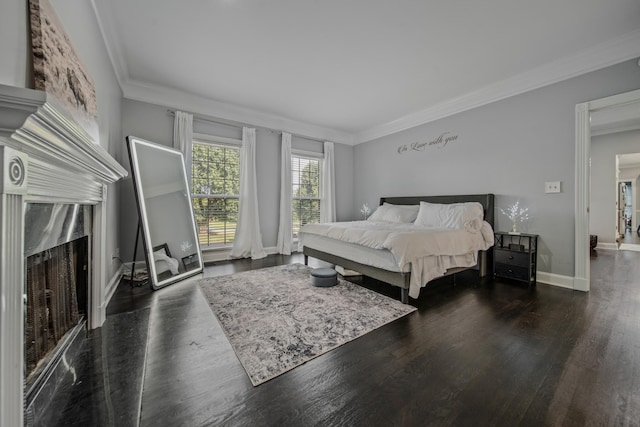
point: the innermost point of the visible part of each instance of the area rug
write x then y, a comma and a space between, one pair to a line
276, 320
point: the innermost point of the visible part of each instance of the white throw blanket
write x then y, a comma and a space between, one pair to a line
409, 244
160, 258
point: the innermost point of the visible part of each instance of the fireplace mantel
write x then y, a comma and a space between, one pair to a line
45, 157
33, 123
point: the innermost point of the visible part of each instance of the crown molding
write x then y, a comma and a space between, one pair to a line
111, 36
602, 55
155, 94
621, 129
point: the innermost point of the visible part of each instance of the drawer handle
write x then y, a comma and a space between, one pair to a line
510, 256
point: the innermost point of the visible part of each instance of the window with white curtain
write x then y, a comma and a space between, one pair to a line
305, 181
215, 188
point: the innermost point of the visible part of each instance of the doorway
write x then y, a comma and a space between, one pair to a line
629, 196
617, 111
621, 209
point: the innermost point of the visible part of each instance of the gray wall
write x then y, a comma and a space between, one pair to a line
15, 67
509, 148
152, 122
602, 220
81, 26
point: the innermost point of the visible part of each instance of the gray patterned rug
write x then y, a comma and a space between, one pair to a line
275, 320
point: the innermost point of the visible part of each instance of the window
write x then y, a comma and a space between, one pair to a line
305, 179
215, 186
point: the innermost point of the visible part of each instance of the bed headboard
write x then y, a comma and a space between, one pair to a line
486, 200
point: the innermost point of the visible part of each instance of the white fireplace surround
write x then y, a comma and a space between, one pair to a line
45, 157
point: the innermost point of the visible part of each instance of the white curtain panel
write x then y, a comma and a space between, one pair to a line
183, 138
285, 232
328, 182
248, 239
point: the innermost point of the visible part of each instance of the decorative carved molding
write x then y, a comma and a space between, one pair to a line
37, 125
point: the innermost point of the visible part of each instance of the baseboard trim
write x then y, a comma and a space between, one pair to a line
555, 280
225, 254
113, 285
607, 246
216, 255
629, 247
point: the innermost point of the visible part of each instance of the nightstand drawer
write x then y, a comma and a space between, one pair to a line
514, 258
512, 271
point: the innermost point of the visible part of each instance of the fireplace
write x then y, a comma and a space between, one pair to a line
54, 182
55, 302
57, 241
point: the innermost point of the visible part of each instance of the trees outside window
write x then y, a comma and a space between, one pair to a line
305, 192
215, 188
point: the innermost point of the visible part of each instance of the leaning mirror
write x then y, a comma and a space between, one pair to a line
166, 217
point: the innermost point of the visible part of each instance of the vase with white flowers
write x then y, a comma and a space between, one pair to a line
365, 211
516, 214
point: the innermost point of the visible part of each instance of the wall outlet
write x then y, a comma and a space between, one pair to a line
552, 187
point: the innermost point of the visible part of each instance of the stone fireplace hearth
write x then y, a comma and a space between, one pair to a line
45, 158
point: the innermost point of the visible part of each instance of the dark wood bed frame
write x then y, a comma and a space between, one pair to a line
402, 280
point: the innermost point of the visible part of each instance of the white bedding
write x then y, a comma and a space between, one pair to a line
424, 251
378, 258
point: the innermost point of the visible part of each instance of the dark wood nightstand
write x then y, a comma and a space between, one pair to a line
515, 256
191, 262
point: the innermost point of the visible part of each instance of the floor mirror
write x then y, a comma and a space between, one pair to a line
166, 218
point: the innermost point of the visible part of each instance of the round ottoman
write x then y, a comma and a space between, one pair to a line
324, 277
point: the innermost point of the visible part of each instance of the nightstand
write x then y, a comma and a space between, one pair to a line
515, 256
191, 262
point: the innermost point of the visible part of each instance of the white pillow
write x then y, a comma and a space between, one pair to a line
467, 215
395, 213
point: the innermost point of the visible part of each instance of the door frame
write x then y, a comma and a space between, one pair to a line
581, 279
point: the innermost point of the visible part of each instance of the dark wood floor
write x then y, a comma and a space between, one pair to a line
631, 237
475, 353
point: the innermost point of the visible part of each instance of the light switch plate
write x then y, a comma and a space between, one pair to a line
552, 187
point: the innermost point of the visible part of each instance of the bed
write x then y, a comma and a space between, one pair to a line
371, 247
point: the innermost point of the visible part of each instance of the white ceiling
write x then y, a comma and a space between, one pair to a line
355, 70
621, 118
629, 160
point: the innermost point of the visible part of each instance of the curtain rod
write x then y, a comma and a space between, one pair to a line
239, 125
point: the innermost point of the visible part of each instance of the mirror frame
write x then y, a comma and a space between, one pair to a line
132, 145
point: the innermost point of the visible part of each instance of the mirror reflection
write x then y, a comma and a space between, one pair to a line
166, 217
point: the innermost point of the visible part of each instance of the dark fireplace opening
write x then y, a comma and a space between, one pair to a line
56, 304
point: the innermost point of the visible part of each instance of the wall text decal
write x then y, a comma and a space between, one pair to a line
440, 142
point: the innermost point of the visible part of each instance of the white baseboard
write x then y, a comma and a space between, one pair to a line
607, 246
629, 247
555, 280
224, 255
113, 285
213, 256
